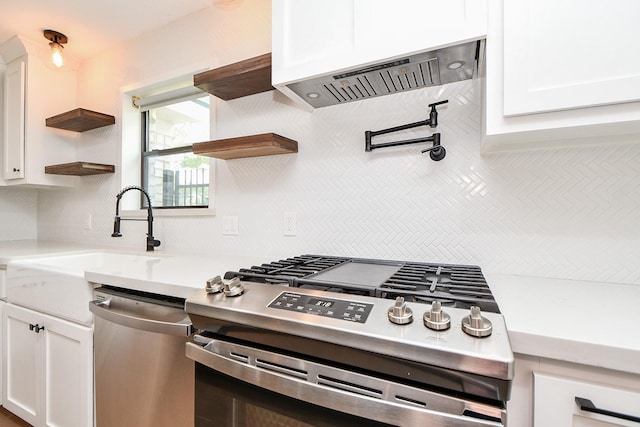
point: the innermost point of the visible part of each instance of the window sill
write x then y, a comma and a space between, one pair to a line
157, 213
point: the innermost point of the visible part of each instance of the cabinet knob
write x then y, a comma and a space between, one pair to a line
16, 169
35, 327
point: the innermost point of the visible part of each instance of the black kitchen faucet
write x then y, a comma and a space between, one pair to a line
151, 242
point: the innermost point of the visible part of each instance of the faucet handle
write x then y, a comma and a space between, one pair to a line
437, 152
433, 114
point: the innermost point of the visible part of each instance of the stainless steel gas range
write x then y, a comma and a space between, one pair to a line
333, 341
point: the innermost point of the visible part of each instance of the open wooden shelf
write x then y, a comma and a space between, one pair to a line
80, 120
266, 144
236, 80
79, 169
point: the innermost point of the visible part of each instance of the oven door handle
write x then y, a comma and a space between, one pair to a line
277, 379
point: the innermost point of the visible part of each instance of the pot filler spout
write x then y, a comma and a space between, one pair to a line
434, 68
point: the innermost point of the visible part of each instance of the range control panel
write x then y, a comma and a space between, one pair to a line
328, 307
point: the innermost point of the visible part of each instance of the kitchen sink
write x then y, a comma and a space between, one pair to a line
56, 285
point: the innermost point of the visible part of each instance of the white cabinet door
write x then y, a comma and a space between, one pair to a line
312, 37
47, 369
406, 26
555, 405
528, 104
14, 119
566, 54
2, 303
21, 365
68, 374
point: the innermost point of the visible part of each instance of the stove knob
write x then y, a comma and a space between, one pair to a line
436, 319
233, 288
400, 314
476, 325
214, 285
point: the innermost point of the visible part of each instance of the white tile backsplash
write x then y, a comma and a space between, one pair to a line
18, 214
567, 213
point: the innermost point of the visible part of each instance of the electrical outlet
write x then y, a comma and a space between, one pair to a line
230, 225
87, 222
290, 226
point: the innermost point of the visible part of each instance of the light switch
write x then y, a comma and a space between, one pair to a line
230, 225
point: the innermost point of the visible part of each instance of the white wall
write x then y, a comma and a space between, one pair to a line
571, 213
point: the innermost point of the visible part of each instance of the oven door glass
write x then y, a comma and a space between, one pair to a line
222, 401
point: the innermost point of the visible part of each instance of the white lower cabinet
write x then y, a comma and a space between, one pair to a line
2, 303
47, 369
544, 394
555, 403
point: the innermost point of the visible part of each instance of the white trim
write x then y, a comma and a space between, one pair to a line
169, 212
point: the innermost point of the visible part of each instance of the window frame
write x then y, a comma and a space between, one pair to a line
145, 142
130, 160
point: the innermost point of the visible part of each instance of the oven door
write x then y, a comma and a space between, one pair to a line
242, 386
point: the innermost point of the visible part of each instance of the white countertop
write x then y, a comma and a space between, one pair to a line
178, 275
576, 321
13, 249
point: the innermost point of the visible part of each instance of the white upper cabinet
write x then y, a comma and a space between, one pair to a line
560, 71
34, 90
311, 38
14, 90
562, 55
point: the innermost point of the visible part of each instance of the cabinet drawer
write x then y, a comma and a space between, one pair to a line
555, 403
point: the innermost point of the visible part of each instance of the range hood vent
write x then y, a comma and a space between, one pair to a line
425, 69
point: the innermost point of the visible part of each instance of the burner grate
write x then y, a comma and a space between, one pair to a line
460, 286
287, 270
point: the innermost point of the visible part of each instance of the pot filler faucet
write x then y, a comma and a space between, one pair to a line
437, 152
151, 242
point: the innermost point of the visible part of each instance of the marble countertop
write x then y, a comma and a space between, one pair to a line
582, 322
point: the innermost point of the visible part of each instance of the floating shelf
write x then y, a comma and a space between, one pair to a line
80, 120
266, 144
236, 80
79, 169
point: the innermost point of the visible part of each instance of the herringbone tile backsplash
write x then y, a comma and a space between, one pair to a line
18, 214
568, 213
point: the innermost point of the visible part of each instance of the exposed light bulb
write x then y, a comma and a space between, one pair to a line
56, 54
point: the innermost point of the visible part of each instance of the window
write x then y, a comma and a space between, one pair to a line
170, 123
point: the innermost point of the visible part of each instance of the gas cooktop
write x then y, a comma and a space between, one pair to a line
459, 286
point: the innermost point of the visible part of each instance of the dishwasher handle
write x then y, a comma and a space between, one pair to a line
136, 320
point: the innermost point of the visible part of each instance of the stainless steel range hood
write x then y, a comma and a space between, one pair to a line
416, 71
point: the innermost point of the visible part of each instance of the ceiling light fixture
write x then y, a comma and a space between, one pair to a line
57, 40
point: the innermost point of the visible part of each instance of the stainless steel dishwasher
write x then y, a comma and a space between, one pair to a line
142, 376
